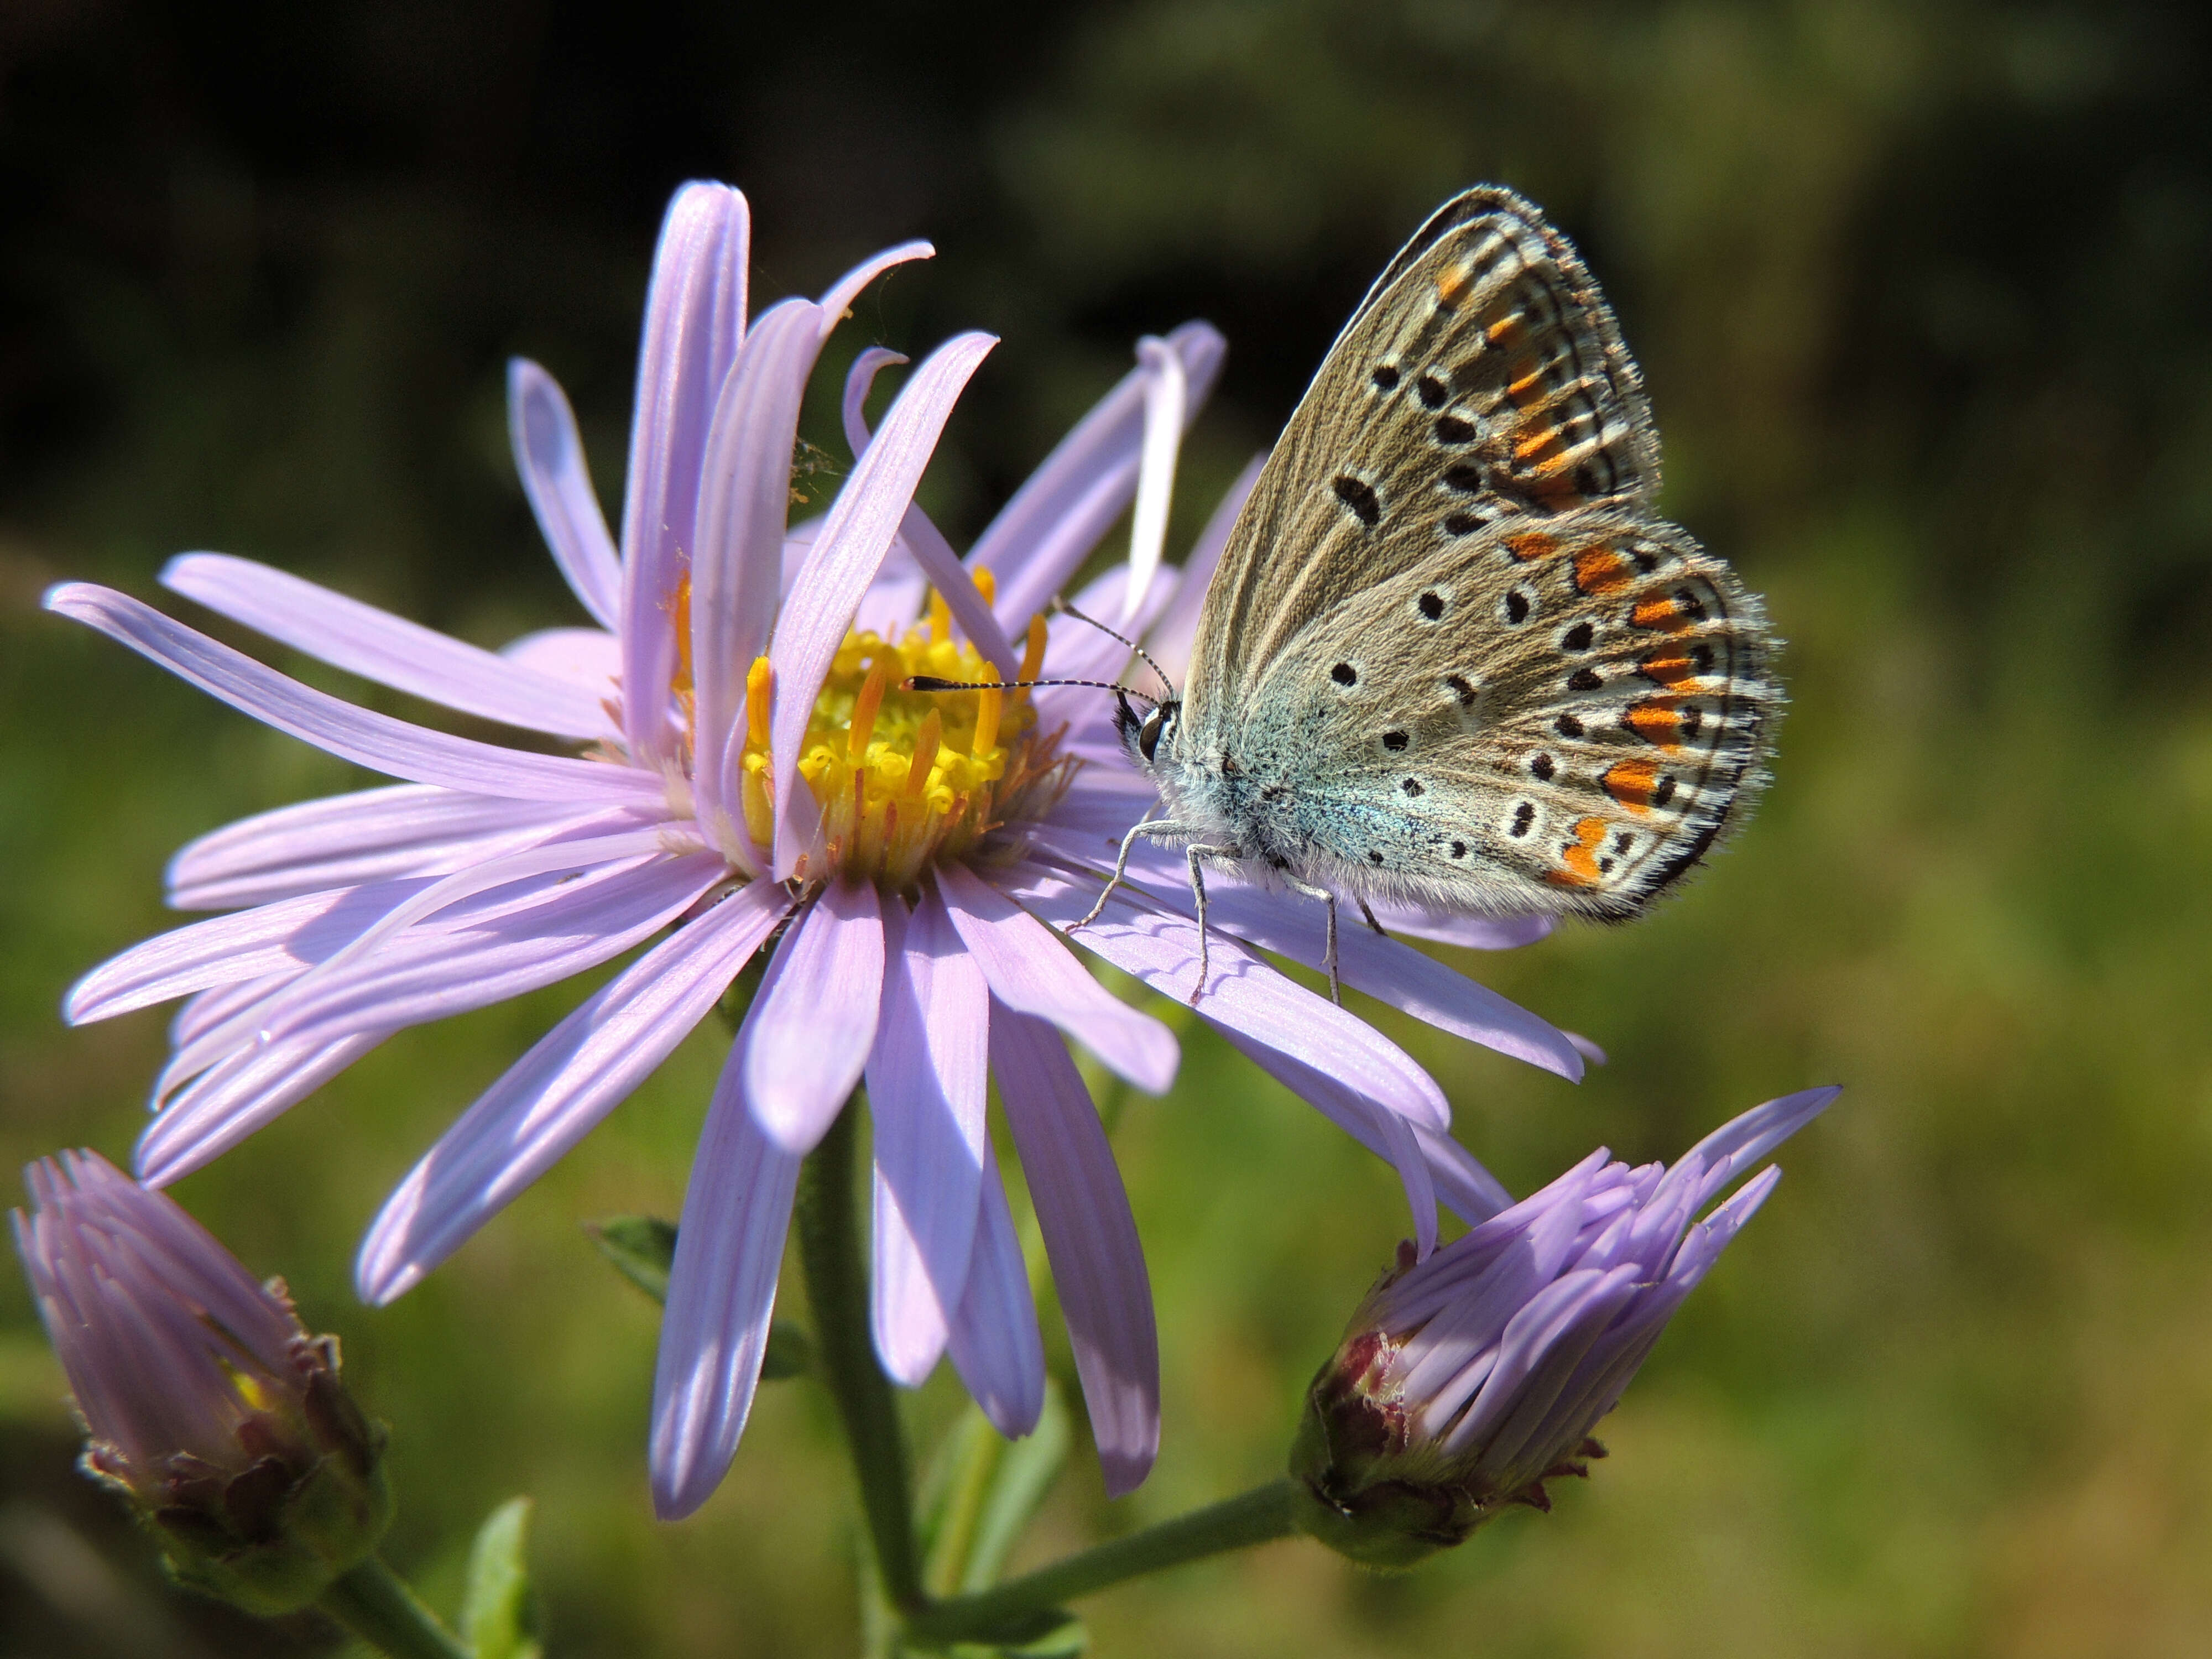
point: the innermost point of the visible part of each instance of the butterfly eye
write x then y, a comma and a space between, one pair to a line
1148, 735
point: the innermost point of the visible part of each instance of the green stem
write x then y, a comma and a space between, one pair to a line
375, 1604
1253, 1517
837, 1286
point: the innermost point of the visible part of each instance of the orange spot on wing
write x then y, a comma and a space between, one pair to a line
1669, 666
1601, 570
1538, 439
1581, 857
1503, 330
1451, 287
1661, 612
1530, 545
1657, 720
1526, 372
1632, 783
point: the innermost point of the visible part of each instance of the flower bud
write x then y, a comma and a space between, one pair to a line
1467, 1381
206, 1403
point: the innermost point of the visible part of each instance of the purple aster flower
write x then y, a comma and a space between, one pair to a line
1468, 1379
206, 1404
752, 771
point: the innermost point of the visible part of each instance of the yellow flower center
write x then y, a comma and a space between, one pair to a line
908, 779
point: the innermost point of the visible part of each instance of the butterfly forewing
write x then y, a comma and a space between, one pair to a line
1482, 378
1457, 656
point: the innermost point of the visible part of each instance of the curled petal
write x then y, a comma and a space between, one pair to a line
549, 456
844, 558
1043, 535
1166, 389
694, 316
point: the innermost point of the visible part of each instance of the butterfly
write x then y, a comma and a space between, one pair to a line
1451, 657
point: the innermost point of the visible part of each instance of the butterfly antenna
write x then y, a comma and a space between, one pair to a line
1161, 673
931, 682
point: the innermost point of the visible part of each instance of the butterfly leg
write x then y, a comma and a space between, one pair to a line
1328, 955
1198, 895
1370, 915
1154, 827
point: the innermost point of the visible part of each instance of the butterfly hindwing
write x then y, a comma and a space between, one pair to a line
1562, 719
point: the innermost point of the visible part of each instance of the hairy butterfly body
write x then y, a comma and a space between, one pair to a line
1450, 656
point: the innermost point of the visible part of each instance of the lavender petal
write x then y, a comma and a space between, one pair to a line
744, 498
255, 1085
283, 938
1045, 531
430, 974
721, 1295
1091, 1239
928, 1077
807, 1035
844, 558
1242, 995
348, 841
554, 1095
694, 314
995, 1344
1293, 926
549, 457
1030, 971
376, 741
380, 647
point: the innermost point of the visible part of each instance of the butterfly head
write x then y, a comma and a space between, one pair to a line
1142, 734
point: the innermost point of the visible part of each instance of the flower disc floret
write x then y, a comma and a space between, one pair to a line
907, 780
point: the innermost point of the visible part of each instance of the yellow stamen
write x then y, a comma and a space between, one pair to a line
987, 585
940, 618
905, 779
988, 706
760, 685
927, 741
864, 711
679, 610
1033, 652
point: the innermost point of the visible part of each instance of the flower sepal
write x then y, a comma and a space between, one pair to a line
1372, 1489
304, 1502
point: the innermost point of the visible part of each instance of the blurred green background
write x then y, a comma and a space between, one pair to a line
1921, 293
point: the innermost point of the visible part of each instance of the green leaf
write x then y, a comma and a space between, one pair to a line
1018, 1486
641, 1247
499, 1619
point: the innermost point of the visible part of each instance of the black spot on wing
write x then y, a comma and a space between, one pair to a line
1359, 495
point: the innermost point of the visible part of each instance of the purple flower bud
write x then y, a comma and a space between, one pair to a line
1467, 1380
205, 1403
